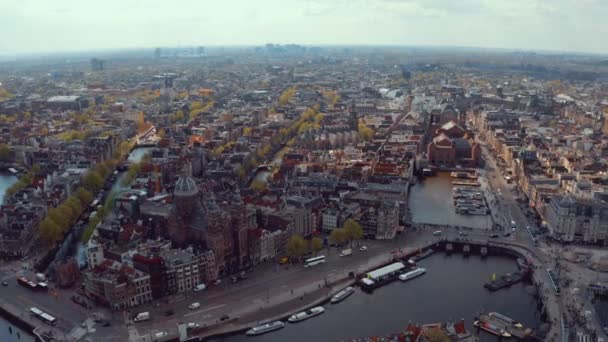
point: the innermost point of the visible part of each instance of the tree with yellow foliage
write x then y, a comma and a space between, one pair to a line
287, 95
365, 132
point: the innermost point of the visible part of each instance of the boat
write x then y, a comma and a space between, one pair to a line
491, 328
412, 274
264, 328
505, 319
340, 296
422, 255
300, 316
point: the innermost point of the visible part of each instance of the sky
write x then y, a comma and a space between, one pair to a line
31, 26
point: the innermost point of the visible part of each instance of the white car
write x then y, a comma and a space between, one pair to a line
192, 325
160, 334
199, 287
194, 306
363, 248
437, 232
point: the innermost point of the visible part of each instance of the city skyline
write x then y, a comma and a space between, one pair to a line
67, 25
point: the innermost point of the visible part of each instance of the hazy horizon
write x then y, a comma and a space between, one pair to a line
42, 27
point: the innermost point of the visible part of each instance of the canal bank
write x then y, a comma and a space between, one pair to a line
453, 289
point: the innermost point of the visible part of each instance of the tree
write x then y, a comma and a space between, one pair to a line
93, 181
84, 195
59, 218
287, 95
337, 236
316, 244
49, 230
353, 230
296, 246
436, 335
258, 186
5, 152
247, 131
365, 132
161, 133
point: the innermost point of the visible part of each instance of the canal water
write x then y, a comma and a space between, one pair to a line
451, 289
6, 180
430, 201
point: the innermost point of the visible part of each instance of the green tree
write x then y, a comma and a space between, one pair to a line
49, 230
5, 152
296, 246
59, 218
316, 244
353, 230
93, 181
84, 195
337, 236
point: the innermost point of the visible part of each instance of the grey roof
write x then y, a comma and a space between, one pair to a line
185, 186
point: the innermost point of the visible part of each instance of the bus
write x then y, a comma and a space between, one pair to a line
43, 316
27, 283
314, 261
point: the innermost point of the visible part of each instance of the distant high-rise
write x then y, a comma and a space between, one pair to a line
97, 64
157, 53
200, 51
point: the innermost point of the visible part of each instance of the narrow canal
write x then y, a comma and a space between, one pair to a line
452, 289
6, 180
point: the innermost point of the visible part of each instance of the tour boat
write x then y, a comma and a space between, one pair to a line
340, 296
491, 328
412, 274
505, 319
264, 328
300, 316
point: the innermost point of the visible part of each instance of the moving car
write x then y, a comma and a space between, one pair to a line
142, 316
192, 325
200, 287
437, 232
160, 334
363, 248
194, 306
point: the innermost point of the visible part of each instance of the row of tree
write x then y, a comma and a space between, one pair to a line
287, 95
350, 231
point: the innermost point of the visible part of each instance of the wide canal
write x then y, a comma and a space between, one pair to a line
452, 289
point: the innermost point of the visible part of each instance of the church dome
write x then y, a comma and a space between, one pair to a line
185, 186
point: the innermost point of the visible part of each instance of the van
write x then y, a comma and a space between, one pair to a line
200, 287
437, 233
142, 316
346, 252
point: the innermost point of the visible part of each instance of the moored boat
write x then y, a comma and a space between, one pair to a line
264, 328
300, 316
340, 296
491, 328
412, 274
505, 319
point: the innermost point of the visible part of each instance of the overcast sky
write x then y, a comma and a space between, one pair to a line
74, 25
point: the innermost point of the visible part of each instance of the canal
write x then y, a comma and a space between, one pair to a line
452, 289
433, 195
6, 180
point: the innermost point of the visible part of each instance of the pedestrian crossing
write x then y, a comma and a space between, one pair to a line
77, 333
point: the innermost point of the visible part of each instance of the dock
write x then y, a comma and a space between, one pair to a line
516, 332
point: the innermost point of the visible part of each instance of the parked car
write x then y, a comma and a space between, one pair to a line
194, 306
169, 312
5, 283
192, 325
199, 287
363, 248
494, 235
437, 232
